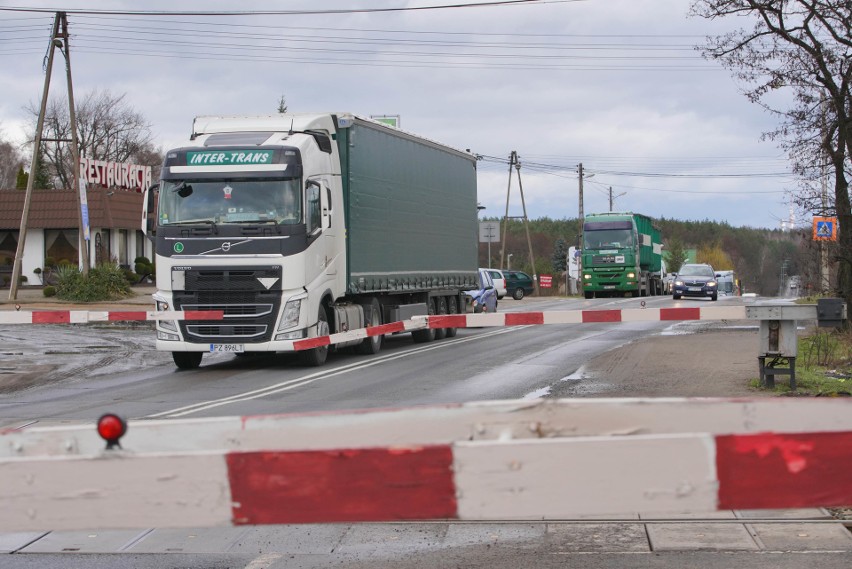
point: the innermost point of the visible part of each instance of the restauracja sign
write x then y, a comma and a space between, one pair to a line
115, 174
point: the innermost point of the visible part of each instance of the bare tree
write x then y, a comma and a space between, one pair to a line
803, 47
108, 129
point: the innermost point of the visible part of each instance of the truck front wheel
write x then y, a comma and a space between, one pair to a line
317, 356
187, 360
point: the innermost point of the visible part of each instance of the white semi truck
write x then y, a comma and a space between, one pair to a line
298, 226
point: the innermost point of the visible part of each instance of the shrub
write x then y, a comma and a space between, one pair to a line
104, 282
49, 291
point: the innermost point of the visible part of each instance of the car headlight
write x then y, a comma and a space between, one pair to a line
678, 283
711, 283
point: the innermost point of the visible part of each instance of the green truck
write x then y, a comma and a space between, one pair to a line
622, 254
302, 225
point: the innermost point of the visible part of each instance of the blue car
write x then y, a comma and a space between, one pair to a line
484, 298
695, 280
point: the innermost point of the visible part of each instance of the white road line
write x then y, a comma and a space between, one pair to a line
311, 378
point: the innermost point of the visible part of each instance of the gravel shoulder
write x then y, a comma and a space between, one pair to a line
709, 361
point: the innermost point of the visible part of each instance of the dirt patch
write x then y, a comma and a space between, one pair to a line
708, 363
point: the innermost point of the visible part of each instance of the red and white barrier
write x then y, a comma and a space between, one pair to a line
90, 316
480, 461
530, 318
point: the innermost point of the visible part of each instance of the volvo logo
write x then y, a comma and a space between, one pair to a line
178, 247
226, 246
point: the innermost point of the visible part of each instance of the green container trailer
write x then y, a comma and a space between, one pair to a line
410, 211
622, 254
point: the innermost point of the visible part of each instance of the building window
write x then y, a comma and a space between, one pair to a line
8, 247
122, 247
140, 244
103, 250
60, 245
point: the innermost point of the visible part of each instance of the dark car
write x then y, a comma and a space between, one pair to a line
695, 280
518, 284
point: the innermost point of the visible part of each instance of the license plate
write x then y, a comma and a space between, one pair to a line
230, 348
694, 289
609, 287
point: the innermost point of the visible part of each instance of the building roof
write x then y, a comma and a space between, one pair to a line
57, 209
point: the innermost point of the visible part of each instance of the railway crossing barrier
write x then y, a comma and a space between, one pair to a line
499, 460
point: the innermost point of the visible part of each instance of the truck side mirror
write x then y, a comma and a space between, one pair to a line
149, 211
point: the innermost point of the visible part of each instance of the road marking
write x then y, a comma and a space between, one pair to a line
264, 561
311, 378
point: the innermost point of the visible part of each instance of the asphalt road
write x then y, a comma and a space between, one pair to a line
62, 374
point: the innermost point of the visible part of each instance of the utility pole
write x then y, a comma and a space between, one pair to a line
79, 186
582, 217
22, 233
57, 40
611, 197
514, 162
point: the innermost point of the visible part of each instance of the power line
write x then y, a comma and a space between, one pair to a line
220, 13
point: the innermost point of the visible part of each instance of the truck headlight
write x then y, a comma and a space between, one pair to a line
587, 276
631, 275
166, 324
290, 318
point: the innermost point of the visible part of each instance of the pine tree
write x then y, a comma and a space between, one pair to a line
282, 105
21, 179
559, 259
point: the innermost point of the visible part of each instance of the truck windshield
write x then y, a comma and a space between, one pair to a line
231, 201
608, 239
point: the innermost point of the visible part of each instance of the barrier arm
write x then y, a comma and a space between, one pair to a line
507, 460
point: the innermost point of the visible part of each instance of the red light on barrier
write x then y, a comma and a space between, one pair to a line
111, 428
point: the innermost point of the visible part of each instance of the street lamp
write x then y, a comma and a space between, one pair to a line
509, 261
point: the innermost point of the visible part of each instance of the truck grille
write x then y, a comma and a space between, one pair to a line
249, 307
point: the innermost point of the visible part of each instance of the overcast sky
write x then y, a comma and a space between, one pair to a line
613, 84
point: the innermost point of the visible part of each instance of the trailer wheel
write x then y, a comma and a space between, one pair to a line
441, 333
317, 356
373, 317
427, 335
452, 308
187, 360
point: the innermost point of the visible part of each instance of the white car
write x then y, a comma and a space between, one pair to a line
499, 281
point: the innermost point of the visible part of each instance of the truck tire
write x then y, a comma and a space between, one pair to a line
452, 308
187, 360
372, 317
518, 293
427, 335
316, 356
589, 295
441, 333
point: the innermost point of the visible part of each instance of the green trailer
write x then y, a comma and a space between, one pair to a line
622, 254
410, 207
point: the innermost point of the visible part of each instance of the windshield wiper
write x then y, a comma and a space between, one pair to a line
209, 222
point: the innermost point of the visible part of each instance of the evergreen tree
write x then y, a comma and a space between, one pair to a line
282, 105
21, 179
559, 259
42, 175
674, 255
